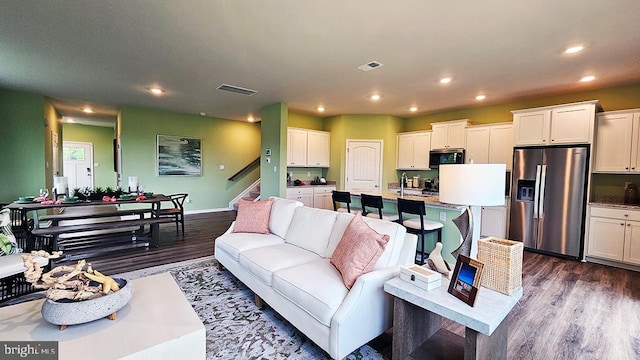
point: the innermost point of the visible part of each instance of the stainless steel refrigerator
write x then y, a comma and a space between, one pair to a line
548, 199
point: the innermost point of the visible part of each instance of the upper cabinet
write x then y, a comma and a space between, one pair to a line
490, 144
448, 134
617, 142
413, 150
307, 148
318, 148
555, 125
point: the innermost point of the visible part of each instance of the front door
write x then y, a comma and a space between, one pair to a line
364, 166
78, 164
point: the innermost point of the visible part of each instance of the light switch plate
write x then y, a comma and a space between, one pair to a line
443, 216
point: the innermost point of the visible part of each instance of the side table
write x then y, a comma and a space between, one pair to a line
417, 322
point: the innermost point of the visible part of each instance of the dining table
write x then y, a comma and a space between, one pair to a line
24, 210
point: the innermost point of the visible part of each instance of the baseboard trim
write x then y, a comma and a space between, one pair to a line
202, 211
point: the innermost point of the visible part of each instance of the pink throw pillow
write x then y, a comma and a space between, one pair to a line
358, 250
253, 217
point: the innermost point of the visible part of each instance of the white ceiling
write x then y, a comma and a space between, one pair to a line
305, 53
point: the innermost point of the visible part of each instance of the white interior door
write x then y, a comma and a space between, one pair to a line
78, 164
364, 166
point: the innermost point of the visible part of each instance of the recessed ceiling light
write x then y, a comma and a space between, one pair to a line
202, 113
588, 78
446, 80
375, 97
481, 97
156, 91
413, 109
250, 118
88, 110
574, 49
321, 108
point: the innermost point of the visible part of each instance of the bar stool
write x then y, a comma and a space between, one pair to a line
375, 201
341, 197
422, 227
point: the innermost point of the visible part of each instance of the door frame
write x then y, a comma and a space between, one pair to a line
346, 170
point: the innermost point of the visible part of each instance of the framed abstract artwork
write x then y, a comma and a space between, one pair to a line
179, 156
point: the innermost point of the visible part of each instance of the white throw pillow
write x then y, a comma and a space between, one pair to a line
310, 229
281, 214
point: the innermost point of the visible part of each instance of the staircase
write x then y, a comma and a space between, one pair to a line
251, 193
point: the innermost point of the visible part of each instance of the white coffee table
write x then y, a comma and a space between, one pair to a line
158, 323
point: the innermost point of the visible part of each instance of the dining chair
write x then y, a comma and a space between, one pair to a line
341, 197
375, 202
177, 210
421, 227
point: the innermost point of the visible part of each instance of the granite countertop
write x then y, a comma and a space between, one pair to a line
429, 200
615, 205
308, 184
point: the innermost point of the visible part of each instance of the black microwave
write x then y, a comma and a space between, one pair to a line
445, 156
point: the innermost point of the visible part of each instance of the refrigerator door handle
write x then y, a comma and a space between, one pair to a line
536, 192
543, 182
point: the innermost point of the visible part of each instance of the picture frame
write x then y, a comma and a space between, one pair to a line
466, 279
179, 156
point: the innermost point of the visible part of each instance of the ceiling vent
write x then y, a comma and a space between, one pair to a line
370, 66
236, 89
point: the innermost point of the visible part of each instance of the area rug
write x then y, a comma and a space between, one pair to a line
236, 328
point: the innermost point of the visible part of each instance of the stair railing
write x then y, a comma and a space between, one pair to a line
251, 164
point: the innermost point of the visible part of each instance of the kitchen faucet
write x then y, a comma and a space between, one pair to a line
403, 180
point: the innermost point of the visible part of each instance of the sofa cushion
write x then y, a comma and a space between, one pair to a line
358, 251
282, 212
263, 262
253, 216
342, 221
235, 243
396, 234
315, 287
310, 229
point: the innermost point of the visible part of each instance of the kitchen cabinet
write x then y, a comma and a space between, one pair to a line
318, 144
614, 234
490, 144
307, 148
494, 221
413, 150
322, 197
448, 134
555, 125
302, 194
296, 147
617, 142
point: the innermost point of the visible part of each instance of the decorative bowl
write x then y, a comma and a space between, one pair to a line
67, 312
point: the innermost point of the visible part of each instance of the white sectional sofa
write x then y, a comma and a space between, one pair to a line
290, 270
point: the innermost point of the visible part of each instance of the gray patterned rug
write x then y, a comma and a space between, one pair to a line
236, 328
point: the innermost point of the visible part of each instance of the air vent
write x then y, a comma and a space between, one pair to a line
236, 89
370, 66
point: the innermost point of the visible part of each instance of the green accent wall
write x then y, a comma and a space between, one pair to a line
613, 98
362, 127
22, 159
233, 144
305, 121
273, 177
102, 139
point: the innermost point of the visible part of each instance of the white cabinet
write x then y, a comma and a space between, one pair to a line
617, 142
553, 125
413, 150
322, 197
302, 194
448, 134
490, 144
494, 221
296, 147
307, 148
614, 234
318, 144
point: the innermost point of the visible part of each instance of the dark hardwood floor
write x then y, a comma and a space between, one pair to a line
569, 310
199, 233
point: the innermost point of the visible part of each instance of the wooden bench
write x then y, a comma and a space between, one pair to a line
104, 242
55, 219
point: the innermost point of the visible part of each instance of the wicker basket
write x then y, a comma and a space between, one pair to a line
502, 264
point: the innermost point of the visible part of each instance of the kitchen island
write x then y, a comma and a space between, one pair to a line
435, 210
